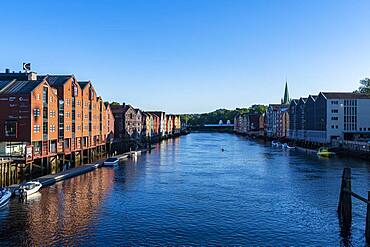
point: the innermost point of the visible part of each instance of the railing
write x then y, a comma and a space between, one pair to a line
345, 204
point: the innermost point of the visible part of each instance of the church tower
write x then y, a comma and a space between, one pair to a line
286, 99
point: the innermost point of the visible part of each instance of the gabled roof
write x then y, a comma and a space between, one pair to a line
57, 80
302, 100
345, 95
294, 101
83, 84
121, 108
311, 97
20, 87
157, 113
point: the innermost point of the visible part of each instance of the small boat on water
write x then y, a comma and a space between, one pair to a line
28, 188
4, 197
286, 146
111, 162
324, 152
275, 144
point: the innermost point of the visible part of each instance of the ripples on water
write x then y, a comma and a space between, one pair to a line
186, 191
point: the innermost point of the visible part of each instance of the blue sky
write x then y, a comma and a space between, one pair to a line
192, 55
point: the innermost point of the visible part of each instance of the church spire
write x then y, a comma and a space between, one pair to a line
286, 99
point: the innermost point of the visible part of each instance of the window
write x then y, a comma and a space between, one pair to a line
36, 128
52, 128
36, 112
334, 118
51, 99
78, 103
10, 128
336, 126
68, 115
68, 101
78, 127
38, 96
78, 115
75, 90
334, 111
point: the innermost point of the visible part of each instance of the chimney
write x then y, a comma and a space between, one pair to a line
32, 76
7, 71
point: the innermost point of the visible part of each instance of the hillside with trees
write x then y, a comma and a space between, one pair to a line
220, 114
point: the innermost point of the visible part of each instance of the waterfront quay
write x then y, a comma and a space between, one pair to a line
188, 192
52, 123
338, 120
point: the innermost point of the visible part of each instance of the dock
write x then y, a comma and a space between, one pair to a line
51, 179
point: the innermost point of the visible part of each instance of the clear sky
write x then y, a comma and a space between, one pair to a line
192, 55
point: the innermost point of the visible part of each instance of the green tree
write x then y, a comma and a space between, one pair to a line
365, 86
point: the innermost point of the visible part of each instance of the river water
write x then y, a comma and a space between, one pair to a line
188, 192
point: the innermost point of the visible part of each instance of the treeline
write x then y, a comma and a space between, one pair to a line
220, 114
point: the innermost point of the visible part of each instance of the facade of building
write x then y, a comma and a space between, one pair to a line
169, 125
110, 123
176, 124
277, 117
126, 122
162, 130
251, 123
148, 125
330, 117
156, 126
41, 120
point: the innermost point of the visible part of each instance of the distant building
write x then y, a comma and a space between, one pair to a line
127, 122
162, 122
330, 117
277, 117
249, 123
147, 125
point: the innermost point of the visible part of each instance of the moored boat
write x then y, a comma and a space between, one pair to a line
286, 146
324, 152
28, 188
4, 197
275, 144
111, 162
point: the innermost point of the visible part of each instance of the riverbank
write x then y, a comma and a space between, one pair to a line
311, 148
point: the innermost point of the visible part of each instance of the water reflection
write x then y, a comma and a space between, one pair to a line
59, 214
187, 191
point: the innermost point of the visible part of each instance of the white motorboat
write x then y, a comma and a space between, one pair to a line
28, 188
111, 162
4, 197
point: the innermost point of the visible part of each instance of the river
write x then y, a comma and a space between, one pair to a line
188, 192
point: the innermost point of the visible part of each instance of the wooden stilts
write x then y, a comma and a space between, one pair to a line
345, 199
